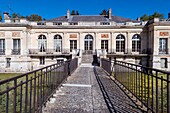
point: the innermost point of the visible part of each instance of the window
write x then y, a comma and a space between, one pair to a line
74, 23
164, 63
42, 43
104, 23
8, 62
57, 43
16, 47
136, 43
104, 44
42, 60
88, 42
163, 45
73, 45
57, 23
120, 43
2, 46
41, 23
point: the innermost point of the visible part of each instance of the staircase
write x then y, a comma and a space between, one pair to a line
87, 58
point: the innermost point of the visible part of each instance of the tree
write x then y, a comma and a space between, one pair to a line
77, 13
73, 12
34, 17
0, 17
15, 15
156, 15
145, 17
104, 12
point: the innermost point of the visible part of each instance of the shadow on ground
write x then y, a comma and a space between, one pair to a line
116, 100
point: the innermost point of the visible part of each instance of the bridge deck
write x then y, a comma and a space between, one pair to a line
90, 90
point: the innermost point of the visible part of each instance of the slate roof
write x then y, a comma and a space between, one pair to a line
77, 18
60, 19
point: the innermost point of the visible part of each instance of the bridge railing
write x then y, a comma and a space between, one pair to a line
150, 86
30, 91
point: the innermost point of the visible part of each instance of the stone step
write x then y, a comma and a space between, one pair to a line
87, 59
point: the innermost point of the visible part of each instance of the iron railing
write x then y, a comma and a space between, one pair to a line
163, 51
2, 51
27, 93
49, 51
130, 51
16, 51
150, 86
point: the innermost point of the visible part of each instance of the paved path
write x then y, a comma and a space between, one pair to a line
90, 90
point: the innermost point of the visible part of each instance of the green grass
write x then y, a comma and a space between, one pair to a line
142, 84
4, 76
55, 77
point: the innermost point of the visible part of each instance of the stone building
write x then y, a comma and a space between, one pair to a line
26, 45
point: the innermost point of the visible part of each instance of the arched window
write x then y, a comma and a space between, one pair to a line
57, 43
120, 43
136, 43
88, 43
42, 43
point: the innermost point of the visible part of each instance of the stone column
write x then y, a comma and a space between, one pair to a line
95, 38
113, 42
65, 41
49, 41
129, 42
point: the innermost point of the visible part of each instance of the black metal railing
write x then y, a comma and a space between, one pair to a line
27, 93
49, 51
2, 51
163, 51
130, 51
150, 86
16, 51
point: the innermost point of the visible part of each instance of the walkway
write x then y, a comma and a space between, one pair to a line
90, 90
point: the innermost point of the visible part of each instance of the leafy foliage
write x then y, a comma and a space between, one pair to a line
34, 17
74, 12
145, 17
0, 17
104, 12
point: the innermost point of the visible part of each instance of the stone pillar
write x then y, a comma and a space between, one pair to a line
49, 41
95, 38
129, 42
126, 43
113, 42
65, 41
81, 41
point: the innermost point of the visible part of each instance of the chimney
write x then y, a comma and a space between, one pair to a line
6, 15
138, 19
68, 14
110, 13
169, 15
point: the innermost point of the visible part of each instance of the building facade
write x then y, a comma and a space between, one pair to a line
26, 45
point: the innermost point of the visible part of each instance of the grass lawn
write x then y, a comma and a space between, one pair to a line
4, 76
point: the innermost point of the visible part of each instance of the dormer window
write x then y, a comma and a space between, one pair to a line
41, 23
57, 23
73, 23
104, 23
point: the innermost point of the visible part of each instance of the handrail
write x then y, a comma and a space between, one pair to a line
30, 91
150, 86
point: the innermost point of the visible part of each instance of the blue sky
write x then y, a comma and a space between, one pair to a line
54, 8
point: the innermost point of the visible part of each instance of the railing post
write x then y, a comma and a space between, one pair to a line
109, 66
114, 68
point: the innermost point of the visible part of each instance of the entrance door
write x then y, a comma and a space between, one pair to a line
88, 44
